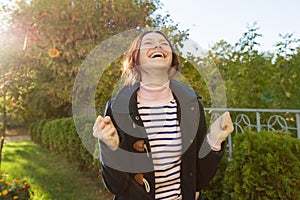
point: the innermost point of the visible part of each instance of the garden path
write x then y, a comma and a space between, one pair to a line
17, 135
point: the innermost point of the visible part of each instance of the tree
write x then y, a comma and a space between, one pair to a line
258, 79
55, 38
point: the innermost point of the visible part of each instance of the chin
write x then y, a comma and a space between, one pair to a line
160, 64
156, 65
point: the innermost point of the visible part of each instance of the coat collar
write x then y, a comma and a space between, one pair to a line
127, 96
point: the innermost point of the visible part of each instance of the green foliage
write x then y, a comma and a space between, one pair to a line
41, 83
256, 79
61, 136
36, 130
264, 165
106, 86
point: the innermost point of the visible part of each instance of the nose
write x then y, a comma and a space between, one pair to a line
157, 45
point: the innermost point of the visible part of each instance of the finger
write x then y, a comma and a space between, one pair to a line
108, 120
229, 125
97, 134
99, 126
97, 122
228, 116
224, 118
106, 128
111, 133
98, 130
101, 130
99, 118
227, 120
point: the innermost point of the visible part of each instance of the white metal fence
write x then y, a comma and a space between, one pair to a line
259, 119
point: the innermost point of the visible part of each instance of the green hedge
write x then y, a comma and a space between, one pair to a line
36, 130
60, 135
264, 165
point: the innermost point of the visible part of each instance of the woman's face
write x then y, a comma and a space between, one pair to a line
155, 52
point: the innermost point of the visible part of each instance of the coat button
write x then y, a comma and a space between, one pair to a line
191, 174
139, 178
137, 117
192, 108
191, 141
139, 145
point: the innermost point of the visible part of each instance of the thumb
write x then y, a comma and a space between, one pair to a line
107, 120
224, 120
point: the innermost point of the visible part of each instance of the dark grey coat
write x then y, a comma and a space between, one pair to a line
120, 167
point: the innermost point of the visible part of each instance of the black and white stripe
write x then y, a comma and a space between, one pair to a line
165, 140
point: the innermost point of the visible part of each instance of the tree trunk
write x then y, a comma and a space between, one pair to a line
3, 121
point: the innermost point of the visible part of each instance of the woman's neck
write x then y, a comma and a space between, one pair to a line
150, 94
157, 77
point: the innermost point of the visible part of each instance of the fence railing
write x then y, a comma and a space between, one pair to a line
259, 119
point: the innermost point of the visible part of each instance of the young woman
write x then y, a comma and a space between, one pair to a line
153, 130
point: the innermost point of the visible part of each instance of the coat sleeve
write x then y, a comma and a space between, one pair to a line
115, 181
207, 165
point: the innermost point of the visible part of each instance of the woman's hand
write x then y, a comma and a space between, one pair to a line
219, 131
105, 130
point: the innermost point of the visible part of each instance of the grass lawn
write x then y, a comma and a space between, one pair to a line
49, 174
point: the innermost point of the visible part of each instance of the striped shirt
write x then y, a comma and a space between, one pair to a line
164, 135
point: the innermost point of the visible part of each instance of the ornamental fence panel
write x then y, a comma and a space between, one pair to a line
258, 120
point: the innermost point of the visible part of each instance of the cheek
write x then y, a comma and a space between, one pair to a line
141, 57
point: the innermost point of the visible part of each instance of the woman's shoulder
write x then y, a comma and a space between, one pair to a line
182, 89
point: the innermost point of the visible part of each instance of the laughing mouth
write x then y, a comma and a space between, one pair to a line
157, 55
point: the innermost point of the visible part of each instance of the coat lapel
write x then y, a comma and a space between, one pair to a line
188, 110
125, 112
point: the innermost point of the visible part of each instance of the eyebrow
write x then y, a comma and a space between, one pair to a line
150, 39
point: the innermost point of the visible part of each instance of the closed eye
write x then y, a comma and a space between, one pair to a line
147, 43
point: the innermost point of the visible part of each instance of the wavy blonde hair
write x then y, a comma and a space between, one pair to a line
131, 60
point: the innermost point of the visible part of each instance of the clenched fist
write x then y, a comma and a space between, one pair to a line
105, 131
219, 131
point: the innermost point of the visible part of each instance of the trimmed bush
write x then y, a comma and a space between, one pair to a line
264, 165
60, 135
36, 130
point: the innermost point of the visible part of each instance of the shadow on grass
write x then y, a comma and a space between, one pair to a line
50, 175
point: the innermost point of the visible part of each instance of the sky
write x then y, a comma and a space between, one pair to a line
210, 21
